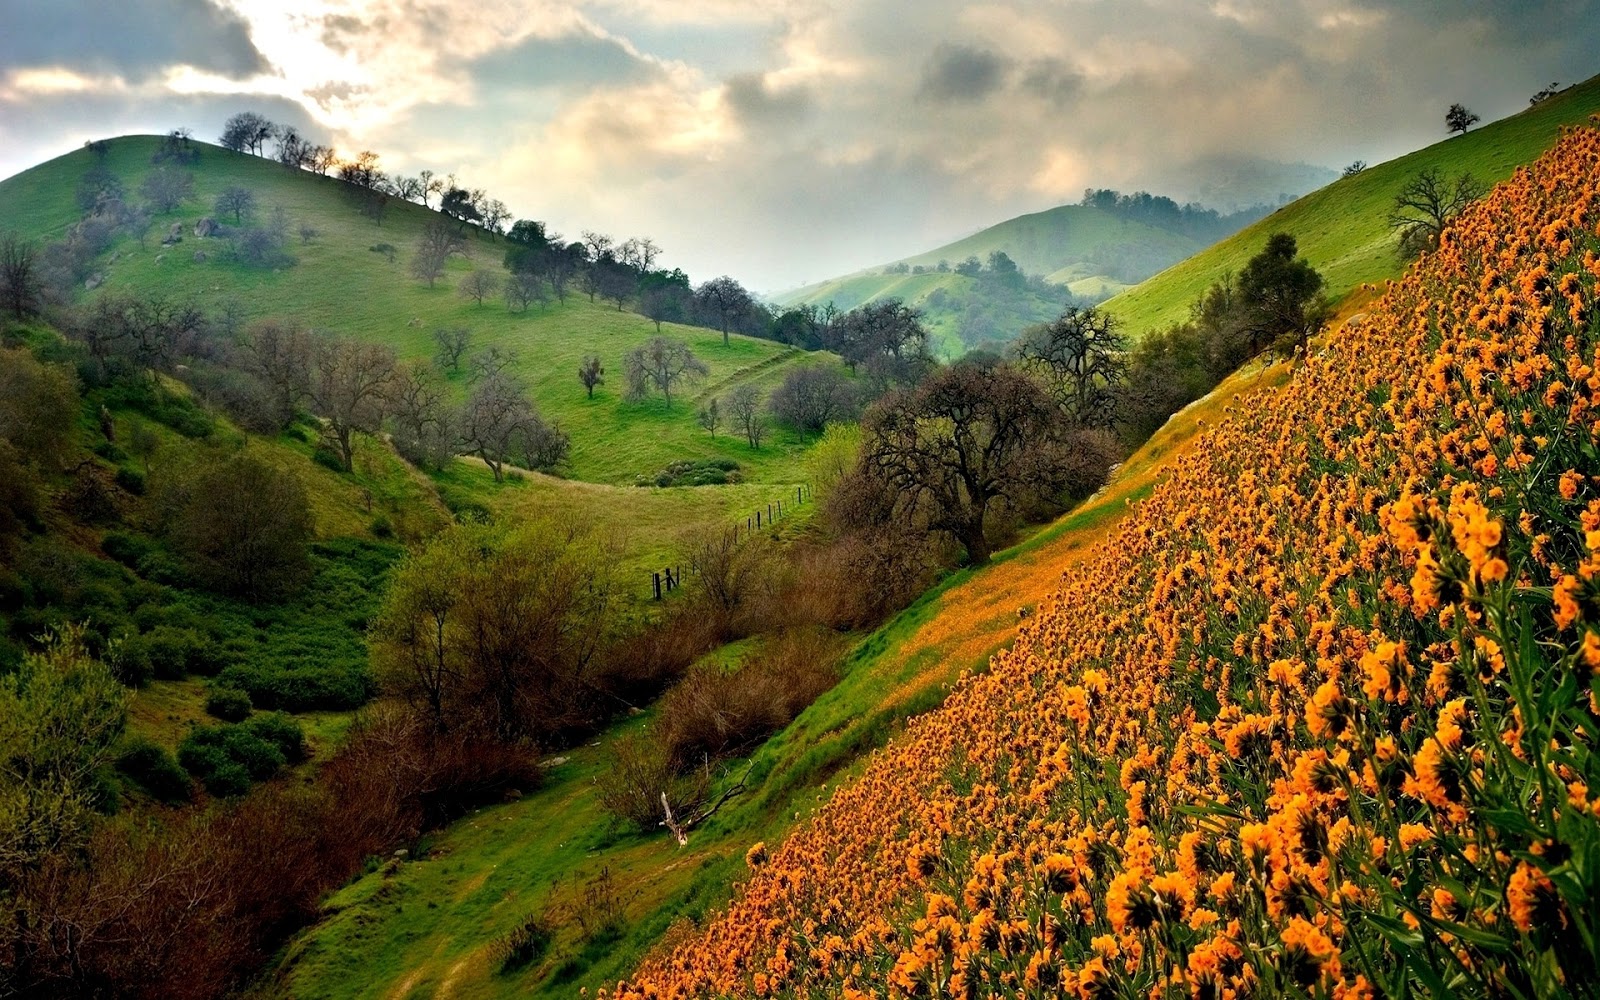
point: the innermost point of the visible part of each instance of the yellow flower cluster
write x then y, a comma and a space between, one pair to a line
1319, 719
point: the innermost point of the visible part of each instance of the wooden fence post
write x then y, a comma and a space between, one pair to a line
655, 580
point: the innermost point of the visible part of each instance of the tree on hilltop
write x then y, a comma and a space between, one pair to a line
1459, 119
246, 132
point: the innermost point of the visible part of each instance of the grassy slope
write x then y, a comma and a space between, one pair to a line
340, 286
426, 928
1343, 228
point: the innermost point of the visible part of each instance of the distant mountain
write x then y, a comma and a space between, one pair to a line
1085, 252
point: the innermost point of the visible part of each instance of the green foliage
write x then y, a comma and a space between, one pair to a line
706, 472
154, 770
282, 732
61, 714
228, 704
227, 759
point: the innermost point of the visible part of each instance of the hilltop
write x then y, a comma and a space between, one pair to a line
344, 281
1343, 228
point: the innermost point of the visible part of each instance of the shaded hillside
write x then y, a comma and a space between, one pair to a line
1315, 719
340, 284
1343, 229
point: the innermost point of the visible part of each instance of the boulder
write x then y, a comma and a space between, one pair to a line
206, 228
176, 232
93, 281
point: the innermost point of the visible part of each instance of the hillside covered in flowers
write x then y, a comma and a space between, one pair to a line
1320, 719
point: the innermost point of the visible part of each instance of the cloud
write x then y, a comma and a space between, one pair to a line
756, 102
779, 140
134, 39
962, 73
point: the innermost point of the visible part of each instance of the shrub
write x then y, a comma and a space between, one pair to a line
301, 690
212, 767
172, 653
282, 732
131, 480
125, 548
228, 704
640, 773
714, 712
153, 769
220, 755
523, 944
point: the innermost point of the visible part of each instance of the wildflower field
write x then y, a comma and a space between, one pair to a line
1318, 719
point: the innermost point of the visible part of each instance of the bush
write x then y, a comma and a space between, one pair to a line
301, 690
228, 704
210, 753
704, 472
172, 653
125, 548
714, 712
152, 768
221, 775
282, 732
523, 944
640, 772
131, 480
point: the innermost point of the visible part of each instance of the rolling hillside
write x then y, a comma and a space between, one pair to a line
340, 285
1316, 719
1343, 228
1088, 252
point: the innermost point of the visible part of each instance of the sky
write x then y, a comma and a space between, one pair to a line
787, 141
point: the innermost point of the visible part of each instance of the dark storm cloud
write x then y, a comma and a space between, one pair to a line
962, 73
1052, 79
756, 102
130, 38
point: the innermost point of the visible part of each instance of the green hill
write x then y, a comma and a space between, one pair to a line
1342, 229
1089, 252
340, 285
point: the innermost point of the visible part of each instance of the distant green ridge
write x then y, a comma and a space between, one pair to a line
1343, 228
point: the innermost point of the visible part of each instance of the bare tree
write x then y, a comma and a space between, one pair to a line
813, 396
294, 151
478, 285
349, 384
246, 132
438, 241
1425, 206
710, 416
1082, 358
420, 418
1458, 119
497, 415
19, 276
523, 288
591, 373
663, 363
167, 187
744, 406
489, 362
495, 215
449, 344
235, 200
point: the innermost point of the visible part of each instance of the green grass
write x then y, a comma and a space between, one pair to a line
340, 286
1342, 228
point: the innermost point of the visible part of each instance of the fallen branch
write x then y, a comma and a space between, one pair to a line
681, 830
